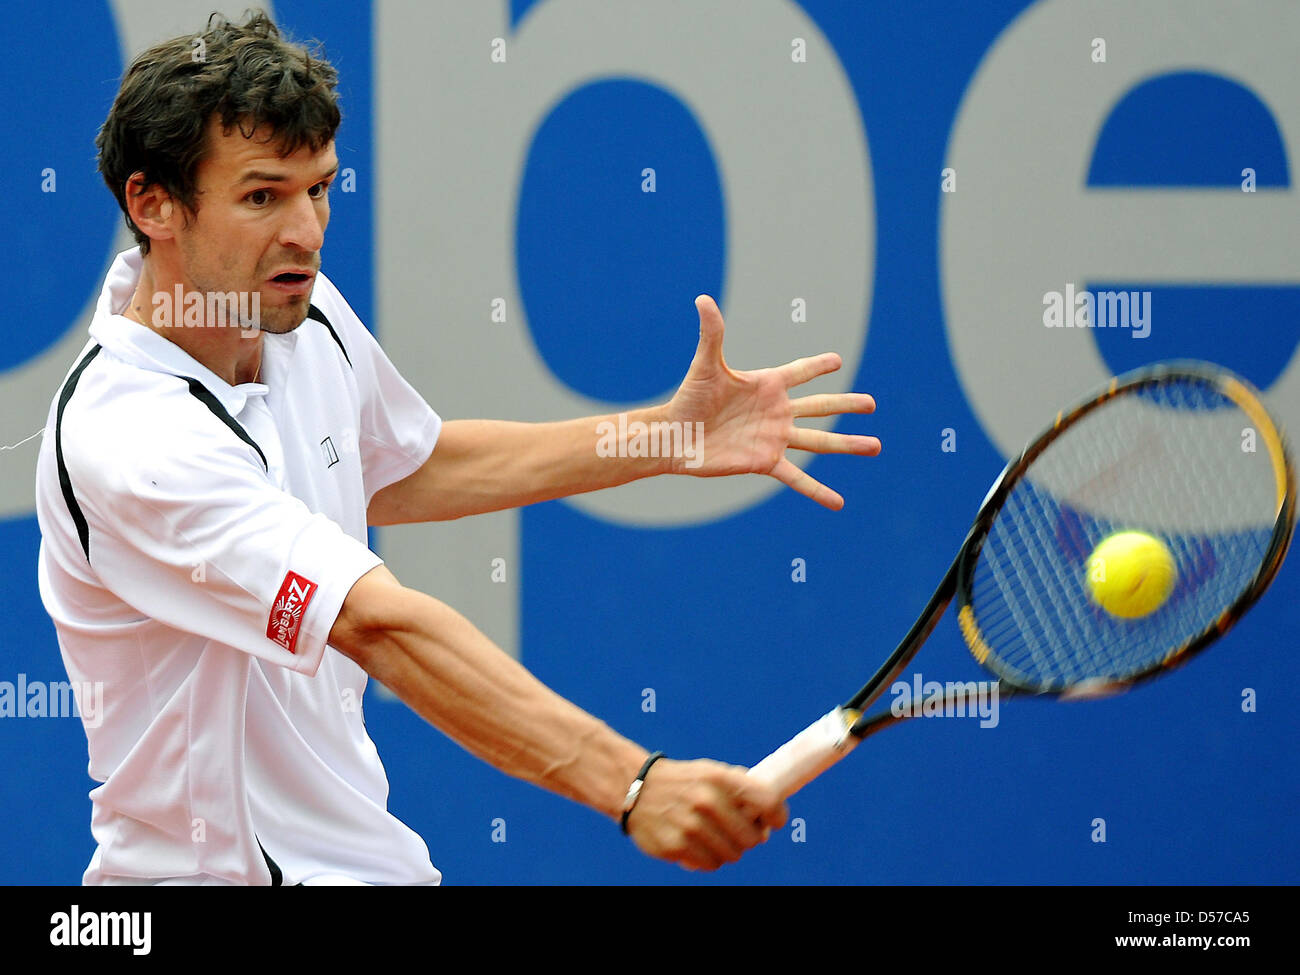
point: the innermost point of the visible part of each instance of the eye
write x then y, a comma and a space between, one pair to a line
259, 198
320, 190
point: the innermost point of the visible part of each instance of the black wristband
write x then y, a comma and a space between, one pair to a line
634, 790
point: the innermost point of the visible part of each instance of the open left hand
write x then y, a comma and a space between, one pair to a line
749, 417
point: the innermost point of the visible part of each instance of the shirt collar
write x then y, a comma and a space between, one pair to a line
143, 347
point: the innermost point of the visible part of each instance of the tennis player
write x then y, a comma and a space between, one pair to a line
203, 494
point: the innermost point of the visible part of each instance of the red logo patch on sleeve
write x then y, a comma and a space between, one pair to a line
286, 612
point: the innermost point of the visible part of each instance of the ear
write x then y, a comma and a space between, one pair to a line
151, 208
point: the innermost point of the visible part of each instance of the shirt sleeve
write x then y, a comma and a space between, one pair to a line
398, 428
192, 533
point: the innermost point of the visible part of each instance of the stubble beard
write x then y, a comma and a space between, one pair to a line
281, 319
278, 319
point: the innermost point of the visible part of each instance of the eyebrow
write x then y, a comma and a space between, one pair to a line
257, 176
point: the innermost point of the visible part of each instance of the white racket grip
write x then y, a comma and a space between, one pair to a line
809, 753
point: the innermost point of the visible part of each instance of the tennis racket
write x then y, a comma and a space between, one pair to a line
1182, 451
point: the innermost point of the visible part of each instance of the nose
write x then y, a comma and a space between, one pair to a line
304, 224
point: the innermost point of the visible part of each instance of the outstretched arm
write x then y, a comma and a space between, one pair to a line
700, 814
719, 422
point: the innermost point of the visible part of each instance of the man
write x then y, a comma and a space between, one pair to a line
203, 494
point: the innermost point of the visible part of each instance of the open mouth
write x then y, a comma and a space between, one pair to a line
291, 277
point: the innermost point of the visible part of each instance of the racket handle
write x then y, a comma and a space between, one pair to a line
809, 753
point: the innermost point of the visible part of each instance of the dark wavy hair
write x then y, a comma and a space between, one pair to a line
244, 74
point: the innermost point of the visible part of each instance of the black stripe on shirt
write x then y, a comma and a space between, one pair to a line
65, 482
201, 393
316, 314
277, 875
197, 389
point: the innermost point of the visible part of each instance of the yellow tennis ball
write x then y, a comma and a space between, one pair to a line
1131, 574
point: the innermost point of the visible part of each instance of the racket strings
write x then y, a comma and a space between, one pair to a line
1042, 624
1033, 614
1168, 460
1052, 655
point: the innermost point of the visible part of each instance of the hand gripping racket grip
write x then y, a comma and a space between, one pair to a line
809, 753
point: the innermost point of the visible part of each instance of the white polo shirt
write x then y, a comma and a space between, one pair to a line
198, 540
